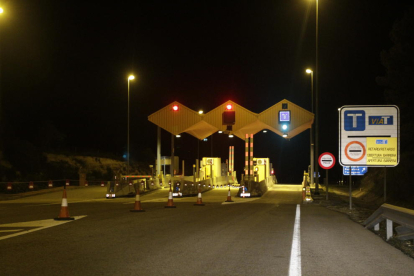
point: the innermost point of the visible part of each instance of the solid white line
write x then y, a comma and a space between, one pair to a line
7, 231
295, 266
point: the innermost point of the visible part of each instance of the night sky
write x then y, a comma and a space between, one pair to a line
64, 66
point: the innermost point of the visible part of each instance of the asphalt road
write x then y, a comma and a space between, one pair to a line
247, 237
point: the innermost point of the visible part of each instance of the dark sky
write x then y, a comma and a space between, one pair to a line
66, 63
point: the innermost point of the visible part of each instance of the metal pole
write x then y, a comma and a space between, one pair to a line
172, 158
311, 138
350, 189
316, 101
128, 134
158, 152
211, 145
327, 185
385, 184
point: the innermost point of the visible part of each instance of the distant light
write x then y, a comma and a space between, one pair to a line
205, 139
229, 107
200, 112
284, 135
175, 107
309, 71
265, 131
284, 127
124, 156
1, 10
131, 77
220, 131
231, 135
178, 135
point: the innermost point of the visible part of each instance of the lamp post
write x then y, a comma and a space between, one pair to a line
131, 77
316, 98
316, 95
312, 157
1, 110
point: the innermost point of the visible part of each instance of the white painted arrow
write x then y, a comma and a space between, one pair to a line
39, 224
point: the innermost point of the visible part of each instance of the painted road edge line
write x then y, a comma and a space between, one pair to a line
295, 265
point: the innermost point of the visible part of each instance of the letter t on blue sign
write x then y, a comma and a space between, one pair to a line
354, 120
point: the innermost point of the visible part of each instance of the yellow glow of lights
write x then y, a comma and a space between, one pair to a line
200, 112
1, 10
131, 77
309, 71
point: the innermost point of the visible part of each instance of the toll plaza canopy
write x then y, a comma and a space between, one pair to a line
184, 119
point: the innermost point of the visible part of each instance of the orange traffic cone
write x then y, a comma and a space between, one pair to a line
137, 206
170, 203
199, 200
64, 211
229, 196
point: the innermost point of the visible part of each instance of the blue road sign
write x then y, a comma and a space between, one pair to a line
355, 170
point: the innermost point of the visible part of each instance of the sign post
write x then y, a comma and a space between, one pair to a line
369, 136
326, 161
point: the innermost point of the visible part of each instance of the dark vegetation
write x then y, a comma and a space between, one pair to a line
399, 90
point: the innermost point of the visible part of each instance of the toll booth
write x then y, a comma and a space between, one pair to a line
261, 169
166, 161
210, 167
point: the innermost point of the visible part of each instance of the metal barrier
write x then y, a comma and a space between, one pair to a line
402, 216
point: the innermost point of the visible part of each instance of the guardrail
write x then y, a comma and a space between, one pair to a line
402, 216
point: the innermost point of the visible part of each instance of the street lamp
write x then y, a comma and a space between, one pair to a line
312, 157
131, 77
316, 97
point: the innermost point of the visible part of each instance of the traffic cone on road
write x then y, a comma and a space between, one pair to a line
199, 200
229, 196
64, 210
137, 206
170, 203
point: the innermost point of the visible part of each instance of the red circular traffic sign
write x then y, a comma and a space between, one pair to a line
326, 160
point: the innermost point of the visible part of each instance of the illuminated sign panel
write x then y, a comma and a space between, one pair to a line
284, 116
369, 136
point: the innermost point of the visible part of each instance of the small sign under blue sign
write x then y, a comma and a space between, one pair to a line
355, 170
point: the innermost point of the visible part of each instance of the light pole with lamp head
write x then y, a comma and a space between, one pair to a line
312, 157
131, 77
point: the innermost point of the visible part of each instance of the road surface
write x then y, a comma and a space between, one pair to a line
272, 235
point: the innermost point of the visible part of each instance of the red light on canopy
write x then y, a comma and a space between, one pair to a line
175, 107
229, 107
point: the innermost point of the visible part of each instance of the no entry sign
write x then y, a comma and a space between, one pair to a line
326, 160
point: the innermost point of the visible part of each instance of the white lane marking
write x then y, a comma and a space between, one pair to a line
40, 224
7, 231
295, 265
